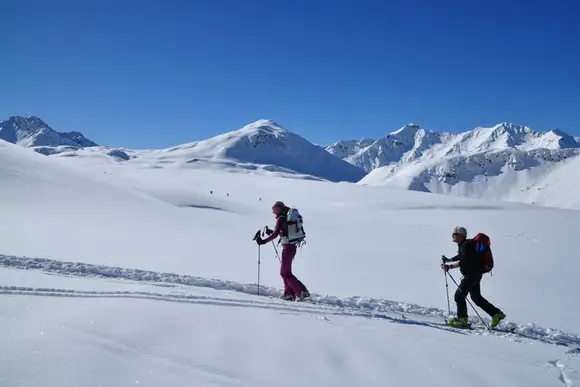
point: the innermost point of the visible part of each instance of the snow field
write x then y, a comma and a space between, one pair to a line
122, 274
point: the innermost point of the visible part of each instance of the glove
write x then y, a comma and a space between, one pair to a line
268, 231
260, 241
444, 267
445, 259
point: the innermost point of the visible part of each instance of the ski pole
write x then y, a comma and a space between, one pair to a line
484, 323
265, 232
256, 236
447, 290
276, 250
259, 270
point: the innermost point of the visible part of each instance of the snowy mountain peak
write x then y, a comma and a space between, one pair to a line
510, 135
407, 130
265, 144
471, 163
265, 125
261, 129
29, 121
407, 143
512, 128
32, 131
443, 162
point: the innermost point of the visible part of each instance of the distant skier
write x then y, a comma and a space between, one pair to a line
293, 288
469, 264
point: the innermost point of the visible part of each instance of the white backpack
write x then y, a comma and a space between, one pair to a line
296, 233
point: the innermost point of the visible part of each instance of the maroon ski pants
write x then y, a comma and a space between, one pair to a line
292, 286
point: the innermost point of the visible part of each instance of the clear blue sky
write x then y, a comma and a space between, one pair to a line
326, 69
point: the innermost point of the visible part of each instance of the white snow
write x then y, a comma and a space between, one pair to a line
118, 273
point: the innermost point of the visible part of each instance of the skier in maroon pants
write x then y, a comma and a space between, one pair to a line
293, 288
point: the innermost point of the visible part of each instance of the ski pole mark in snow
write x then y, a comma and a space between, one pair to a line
563, 372
317, 304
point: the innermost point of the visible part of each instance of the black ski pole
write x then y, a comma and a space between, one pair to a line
484, 323
256, 236
267, 231
447, 290
259, 270
276, 250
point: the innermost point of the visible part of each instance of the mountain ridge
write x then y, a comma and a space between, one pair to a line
31, 131
410, 142
260, 145
481, 162
506, 161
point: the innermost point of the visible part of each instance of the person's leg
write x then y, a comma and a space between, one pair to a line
288, 253
285, 268
479, 300
460, 295
496, 314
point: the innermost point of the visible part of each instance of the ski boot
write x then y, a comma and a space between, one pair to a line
497, 318
290, 297
459, 322
303, 294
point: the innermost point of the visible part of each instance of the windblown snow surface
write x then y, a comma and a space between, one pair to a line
119, 274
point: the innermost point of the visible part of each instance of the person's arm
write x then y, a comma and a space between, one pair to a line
276, 232
454, 259
453, 266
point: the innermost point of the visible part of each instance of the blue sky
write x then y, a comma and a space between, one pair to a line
326, 69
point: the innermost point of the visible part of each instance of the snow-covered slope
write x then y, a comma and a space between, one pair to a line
487, 162
152, 280
34, 132
264, 142
263, 145
557, 188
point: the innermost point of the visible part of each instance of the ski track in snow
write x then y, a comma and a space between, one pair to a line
317, 304
563, 370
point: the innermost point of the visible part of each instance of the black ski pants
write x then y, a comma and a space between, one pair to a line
470, 284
